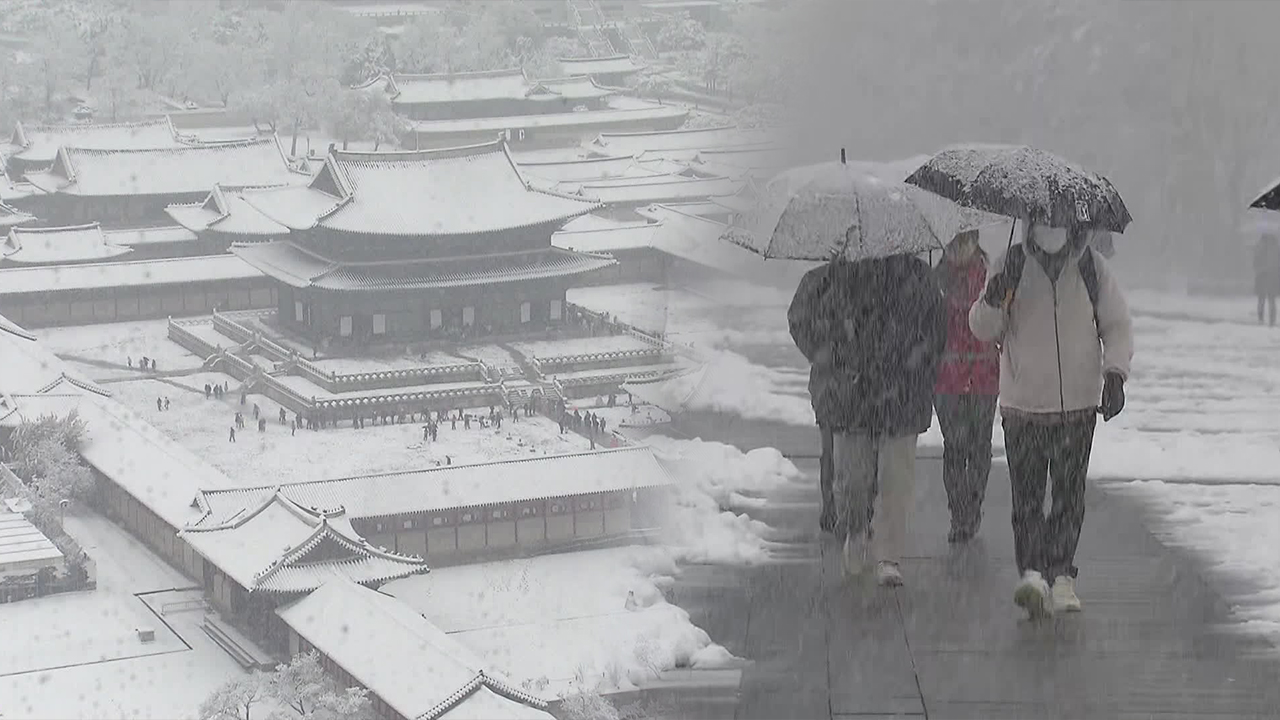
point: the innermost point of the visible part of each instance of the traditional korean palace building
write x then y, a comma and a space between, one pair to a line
132, 187
57, 246
414, 244
613, 71
449, 110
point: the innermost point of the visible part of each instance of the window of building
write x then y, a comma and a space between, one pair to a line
408, 524
557, 507
298, 312
526, 312
528, 511
379, 324
437, 319
468, 316
467, 517
437, 521
344, 326
498, 514
377, 527
555, 309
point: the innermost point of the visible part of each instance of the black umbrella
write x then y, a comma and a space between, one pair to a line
1024, 183
1269, 199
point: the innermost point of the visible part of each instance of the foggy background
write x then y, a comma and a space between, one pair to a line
1173, 101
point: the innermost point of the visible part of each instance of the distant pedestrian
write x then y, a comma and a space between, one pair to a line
1266, 276
426, 433
244, 398
144, 362
294, 429
602, 422
159, 404
257, 412
435, 430
166, 403
208, 390
153, 364
284, 416
232, 438
262, 424
968, 382
129, 359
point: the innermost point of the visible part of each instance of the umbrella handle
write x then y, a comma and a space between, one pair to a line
1012, 228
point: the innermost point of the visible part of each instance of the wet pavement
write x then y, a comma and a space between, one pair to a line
1154, 640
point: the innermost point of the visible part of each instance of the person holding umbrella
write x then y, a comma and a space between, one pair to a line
1266, 276
968, 382
1066, 340
1061, 351
874, 330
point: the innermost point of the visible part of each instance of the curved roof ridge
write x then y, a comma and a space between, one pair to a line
228, 145
677, 131
427, 154
501, 72
64, 228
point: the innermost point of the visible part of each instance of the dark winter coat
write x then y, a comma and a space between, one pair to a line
883, 321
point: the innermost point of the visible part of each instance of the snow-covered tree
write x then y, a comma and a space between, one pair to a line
680, 32
305, 692
234, 699
652, 85
587, 705
364, 114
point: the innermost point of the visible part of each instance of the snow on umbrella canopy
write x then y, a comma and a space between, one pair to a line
1024, 183
822, 211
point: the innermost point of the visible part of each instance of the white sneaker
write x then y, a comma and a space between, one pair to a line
888, 574
1064, 594
1032, 595
855, 554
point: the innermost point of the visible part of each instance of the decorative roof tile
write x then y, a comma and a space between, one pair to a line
404, 659
53, 245
170, 171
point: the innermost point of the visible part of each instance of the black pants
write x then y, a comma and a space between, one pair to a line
966, 422
826, 479
1267, 302
1061, 451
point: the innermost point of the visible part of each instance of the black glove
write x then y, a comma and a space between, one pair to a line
1112, 395
1001, 285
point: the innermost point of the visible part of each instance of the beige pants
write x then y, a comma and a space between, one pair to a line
874, 489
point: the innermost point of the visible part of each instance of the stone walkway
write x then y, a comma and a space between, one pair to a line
1154, 641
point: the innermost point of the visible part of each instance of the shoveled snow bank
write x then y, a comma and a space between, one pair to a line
730, 383
591, 620
714, 482
1232, 526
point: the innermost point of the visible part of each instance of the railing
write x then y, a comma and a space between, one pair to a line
400, 378
616, 358
405, 400
190, 341
242, 334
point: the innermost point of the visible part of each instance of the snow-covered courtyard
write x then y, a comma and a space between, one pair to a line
257, 458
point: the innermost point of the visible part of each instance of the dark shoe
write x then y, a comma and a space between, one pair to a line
827, 521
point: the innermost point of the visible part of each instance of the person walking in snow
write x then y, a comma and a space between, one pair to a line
1266, 276
968, 382
232, 438
874, 331
1066, 342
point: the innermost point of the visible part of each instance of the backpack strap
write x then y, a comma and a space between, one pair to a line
1089, 273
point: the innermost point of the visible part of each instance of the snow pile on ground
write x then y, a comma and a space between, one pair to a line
730, 383
714, 480
557, 623
1234, 528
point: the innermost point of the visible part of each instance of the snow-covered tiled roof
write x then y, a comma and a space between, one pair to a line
51, 245
570, 88
602, 240
614, 65
588, 121
266, 547
724, 137
460, 486
91, 276
404, 659
28, 368
584, 170
21, 543
149, 236
13, 328
298, 267
40, 143
643, 191
169, 171
10, 216
459, 87
455, 191
225, 211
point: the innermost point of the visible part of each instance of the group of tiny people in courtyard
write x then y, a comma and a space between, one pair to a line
1042, 332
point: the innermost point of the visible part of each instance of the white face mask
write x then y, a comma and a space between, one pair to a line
1049, 239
